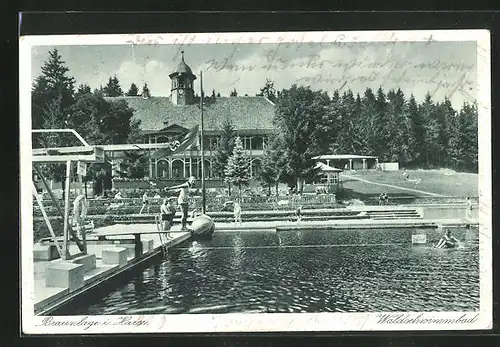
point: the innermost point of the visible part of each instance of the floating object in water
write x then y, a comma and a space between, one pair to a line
419, 239
202, 227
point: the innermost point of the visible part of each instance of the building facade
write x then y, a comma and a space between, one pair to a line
163, 119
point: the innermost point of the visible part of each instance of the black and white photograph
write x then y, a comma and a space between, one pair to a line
273, 181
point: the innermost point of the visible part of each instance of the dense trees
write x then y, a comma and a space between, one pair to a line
273, 164
386, 124
55, 104
305, 127
113, 88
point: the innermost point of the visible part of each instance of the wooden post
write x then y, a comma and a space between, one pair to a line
81, 225
66, 209
59, 209
47, 221
203, 195
138, 245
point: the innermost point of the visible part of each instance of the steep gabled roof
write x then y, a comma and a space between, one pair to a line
246, 113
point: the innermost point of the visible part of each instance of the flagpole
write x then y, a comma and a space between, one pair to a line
203, 195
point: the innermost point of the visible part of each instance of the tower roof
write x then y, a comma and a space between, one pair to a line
182, 68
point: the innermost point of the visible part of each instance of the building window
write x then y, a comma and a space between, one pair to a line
247, 142
257, 143
162, 139
162, 169
335, 178
178, 169
206, 144
207, 168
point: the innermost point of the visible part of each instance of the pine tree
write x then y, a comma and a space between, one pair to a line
381, 127
465, 151
145, 91
83, 89
213, 93
233, 93
347, 137
367, 123
268, 90
133, 90
52, 97
53, 89
225, 149
429, 128
113, 88
238, 166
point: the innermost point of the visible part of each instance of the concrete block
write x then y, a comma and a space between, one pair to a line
88, 261
65, 275
114, 256
45, 252
147, 246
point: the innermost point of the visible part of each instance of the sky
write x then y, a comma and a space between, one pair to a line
444, 69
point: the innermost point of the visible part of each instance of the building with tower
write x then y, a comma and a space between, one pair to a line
166, 118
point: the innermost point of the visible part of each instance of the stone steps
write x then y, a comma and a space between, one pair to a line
395, 214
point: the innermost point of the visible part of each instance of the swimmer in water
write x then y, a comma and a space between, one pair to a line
447, 241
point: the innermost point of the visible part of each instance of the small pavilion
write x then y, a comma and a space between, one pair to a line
349, 161
329, 177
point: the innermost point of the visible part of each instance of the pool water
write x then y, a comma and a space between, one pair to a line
302, 271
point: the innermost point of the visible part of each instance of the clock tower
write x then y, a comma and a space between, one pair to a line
181, 91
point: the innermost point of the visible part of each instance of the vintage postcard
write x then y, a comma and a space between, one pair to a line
256, 182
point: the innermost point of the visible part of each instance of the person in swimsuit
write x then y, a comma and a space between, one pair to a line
468, 210
237, 213
298, 213
183, 199
145, 202
167, 212
447, 241
381, 199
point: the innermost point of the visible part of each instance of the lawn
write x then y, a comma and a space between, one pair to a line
443, 182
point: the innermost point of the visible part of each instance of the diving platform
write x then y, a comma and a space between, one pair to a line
113, 257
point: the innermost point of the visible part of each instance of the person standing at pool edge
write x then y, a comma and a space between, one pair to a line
145, 202
183, 199
468, 210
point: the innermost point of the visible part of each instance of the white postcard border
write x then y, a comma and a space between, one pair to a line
482, 319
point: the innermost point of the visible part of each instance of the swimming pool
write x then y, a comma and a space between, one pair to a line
369, 270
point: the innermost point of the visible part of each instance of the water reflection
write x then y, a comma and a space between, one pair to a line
305, 271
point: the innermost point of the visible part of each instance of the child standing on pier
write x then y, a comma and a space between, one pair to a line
167, 212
